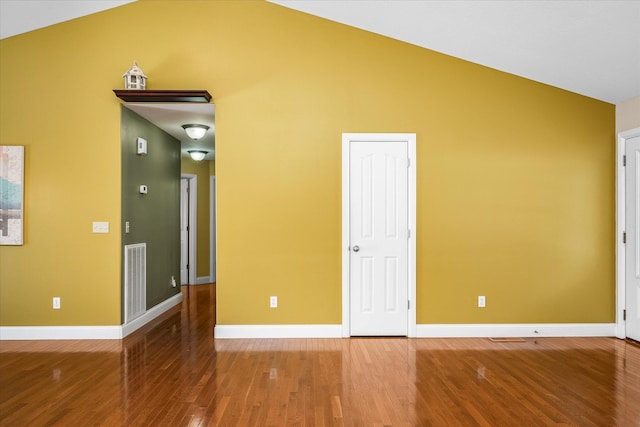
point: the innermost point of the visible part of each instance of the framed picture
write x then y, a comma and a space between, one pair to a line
11, 194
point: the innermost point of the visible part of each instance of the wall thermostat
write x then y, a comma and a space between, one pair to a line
143, 189
141, 146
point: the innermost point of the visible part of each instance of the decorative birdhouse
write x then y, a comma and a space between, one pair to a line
135, 78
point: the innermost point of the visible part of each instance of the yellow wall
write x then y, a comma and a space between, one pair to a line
515, 178
68, 122
201, 169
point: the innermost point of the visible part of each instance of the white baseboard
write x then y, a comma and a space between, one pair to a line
204, 280
517, 330
151, 314
307, 331
277, 331
60, 333
86, 332
425, 331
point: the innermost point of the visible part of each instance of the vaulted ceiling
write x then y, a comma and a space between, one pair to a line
591, 47
588, 47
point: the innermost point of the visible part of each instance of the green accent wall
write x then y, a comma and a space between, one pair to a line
154, 218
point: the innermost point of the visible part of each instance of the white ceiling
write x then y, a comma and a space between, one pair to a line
591, 47
170, 118
20, 16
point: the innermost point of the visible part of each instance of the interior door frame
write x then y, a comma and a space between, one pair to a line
213, 229
621, 207
192, 224
410, 139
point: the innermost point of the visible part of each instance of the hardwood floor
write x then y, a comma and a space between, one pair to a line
173, 373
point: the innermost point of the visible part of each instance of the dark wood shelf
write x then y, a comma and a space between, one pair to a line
128, 95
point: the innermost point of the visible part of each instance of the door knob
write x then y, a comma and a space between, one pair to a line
356, 248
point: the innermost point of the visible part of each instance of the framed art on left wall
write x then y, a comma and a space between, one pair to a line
11, 194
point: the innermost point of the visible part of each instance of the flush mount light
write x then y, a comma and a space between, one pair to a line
195, 131
197, 155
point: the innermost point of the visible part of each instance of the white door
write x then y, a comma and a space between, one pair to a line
184, 231
379, 233
632, 248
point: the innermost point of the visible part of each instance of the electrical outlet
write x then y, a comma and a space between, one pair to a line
482, 302
173, 281
56, 303
273, 302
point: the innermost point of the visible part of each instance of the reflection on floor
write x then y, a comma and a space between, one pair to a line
173, 373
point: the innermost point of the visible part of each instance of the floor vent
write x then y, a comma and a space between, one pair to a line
508, 339
135, 281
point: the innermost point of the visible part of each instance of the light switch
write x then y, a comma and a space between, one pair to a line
141, 146
100, 227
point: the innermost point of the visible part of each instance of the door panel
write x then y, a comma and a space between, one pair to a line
378, 189
632, 249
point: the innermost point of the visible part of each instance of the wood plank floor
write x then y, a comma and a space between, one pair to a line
173, 373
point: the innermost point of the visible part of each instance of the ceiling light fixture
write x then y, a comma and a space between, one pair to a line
197, 155
195, 131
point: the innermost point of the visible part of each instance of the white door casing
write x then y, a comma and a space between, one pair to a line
378, 234
621, 220
212, 234
632, 247
191, 208
184, 231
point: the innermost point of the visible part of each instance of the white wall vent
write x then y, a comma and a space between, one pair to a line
135, 281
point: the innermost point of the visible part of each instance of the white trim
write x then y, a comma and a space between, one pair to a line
346, 160
277, 331
86, 332
203, 280
413, 329
151, 314
410, 138
517, 330
193, 223
425, 331
60, 333
620, 228
212, 230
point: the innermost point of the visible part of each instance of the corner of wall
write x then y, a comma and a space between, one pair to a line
628, 115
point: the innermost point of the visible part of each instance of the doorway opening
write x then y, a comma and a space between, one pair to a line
188, 228
193, 180
628, 235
